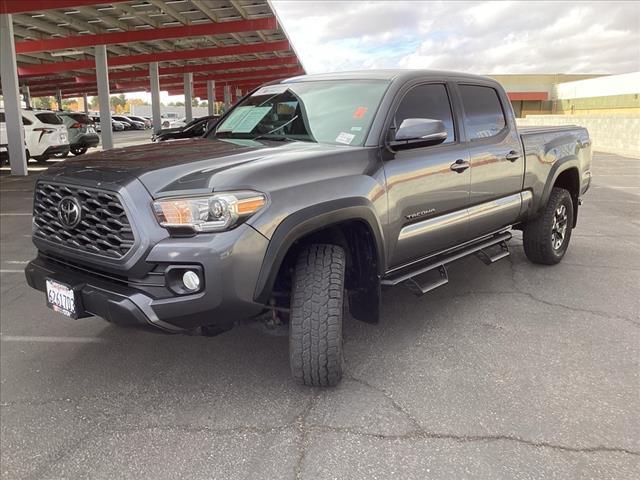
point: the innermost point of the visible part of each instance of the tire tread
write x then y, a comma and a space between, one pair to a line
315, 331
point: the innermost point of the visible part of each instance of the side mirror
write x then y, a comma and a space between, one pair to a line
418, 132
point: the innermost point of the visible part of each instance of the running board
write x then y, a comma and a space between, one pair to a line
437, 269
489, 258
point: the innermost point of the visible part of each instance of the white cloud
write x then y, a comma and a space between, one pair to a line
479, 37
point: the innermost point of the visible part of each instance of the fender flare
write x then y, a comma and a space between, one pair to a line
557, 168
308, 220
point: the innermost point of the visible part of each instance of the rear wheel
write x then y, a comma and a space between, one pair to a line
315, 327
546, 238
79, 150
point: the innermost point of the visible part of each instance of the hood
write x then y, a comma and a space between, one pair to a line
193, 166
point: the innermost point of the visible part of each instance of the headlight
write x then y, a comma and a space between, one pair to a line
213, 213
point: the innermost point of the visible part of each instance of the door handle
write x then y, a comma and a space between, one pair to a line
512, 156
459, 166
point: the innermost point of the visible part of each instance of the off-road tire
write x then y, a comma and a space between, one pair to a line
315, 326
537, 234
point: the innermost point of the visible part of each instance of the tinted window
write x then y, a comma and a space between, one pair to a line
81, 118
50, 118
427, 101
26, 121
483, 113
1, 117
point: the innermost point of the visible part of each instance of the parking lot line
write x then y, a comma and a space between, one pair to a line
11, 271
23, 338
15, 214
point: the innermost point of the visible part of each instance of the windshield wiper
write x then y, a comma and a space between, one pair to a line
262, 135
276, 138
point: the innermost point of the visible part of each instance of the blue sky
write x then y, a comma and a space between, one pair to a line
478, 37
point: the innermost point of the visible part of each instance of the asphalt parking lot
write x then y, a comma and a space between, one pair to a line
509, 371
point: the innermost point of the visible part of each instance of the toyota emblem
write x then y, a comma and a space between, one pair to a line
69, 212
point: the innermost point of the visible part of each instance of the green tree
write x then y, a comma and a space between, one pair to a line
118, 100
42, 103
69, 104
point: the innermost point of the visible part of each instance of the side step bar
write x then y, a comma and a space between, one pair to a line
434, 274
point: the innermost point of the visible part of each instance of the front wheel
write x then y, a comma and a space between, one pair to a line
546, 238
315, 327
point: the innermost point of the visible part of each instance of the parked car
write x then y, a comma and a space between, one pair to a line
129, 124
82, 132
306, 198
4, 142
147, 122
174, 123
45, 134
96, 123
116, 126
195, 128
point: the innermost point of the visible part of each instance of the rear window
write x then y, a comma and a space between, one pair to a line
50, 118
81, 118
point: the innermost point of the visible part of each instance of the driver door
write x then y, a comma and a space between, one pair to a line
428, 199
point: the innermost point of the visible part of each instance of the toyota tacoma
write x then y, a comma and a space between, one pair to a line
301, 204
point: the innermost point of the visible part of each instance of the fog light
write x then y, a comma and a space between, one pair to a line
191, 280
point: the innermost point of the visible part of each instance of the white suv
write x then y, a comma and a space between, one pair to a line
44, 134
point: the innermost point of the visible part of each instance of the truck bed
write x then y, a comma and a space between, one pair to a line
546, 146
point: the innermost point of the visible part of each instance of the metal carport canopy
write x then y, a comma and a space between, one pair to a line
237, 44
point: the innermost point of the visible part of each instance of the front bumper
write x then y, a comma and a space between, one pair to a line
230, 264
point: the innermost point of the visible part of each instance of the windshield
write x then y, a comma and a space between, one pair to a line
335, 112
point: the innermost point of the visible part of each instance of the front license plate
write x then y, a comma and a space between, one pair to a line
61, 298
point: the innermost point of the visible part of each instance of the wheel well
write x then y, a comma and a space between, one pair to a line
570, 181
361, 279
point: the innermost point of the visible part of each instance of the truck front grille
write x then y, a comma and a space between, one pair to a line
103, 228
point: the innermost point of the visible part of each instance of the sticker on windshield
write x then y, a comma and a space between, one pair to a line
356, 129
270, 90
360, 111
345, 138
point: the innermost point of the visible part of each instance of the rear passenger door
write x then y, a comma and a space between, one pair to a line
497, 160
427, 198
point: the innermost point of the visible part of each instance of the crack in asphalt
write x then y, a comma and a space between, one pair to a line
399, 408
419, 432
535, 298
423, 434
302, 430
65, 451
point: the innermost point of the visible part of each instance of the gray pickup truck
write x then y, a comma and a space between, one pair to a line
304, 200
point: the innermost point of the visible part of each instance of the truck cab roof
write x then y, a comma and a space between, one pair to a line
384, 74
